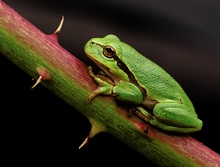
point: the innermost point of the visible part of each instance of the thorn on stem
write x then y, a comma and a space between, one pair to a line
43, 75
95, 129
37, 82
60, 26
84, 142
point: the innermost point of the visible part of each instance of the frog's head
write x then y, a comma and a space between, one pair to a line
105, 52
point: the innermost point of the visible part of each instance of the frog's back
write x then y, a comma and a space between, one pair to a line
158, 83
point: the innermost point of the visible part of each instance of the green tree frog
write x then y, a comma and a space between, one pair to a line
132, 78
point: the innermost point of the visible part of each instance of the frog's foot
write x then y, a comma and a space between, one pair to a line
103, 88
140, 113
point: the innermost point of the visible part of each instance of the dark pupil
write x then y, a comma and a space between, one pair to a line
109, 50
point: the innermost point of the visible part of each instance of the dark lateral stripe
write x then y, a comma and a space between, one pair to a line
131, 77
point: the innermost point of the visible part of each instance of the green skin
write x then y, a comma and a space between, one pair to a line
129, 76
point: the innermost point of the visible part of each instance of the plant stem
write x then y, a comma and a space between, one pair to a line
41, 56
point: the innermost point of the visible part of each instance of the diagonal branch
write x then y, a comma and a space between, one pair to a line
41, 56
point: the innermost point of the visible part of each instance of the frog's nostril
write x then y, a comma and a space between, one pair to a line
92, 42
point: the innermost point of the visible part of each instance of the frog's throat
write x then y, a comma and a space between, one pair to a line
106, 71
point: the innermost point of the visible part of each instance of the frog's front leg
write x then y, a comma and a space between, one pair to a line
105, 85
123, 90
175, 117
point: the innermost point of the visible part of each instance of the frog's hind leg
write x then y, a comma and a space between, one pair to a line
149, 118
153, 119
175, 117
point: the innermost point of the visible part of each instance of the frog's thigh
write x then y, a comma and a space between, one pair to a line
176, 115
128, 92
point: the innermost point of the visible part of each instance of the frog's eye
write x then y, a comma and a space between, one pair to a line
109, 51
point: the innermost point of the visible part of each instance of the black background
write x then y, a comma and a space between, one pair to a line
181, 36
